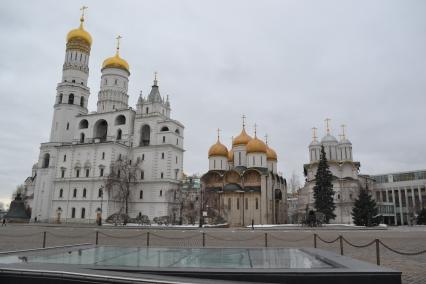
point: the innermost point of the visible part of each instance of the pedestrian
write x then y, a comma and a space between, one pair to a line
35, 219
4, 222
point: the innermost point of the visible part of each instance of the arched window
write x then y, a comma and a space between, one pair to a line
82, 101
141, 194
120, 120
83, 213
81, 137
60, 98
61, 193
84, 192
119, 134
177, 131
164, 128
101, 130
71, 99
145, 135
74, 193
83, 124
46, 159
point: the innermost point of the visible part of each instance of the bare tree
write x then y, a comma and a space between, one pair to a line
294, 184
119, 182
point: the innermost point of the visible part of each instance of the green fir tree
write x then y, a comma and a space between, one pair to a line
365, 209
323, 189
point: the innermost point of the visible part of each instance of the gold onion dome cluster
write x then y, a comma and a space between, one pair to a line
80, 33
116, 62
218, 149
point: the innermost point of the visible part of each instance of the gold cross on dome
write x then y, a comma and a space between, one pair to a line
218, 134
343, 131
266, 138
82, 11
118, 42
255, 130
327, 123
244, 120
314, 133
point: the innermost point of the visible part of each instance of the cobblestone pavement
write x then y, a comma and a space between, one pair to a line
407, 239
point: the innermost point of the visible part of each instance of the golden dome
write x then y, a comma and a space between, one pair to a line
231, 156
271, 154
218, 149
241, 139
116, 62
256, 146
80, 33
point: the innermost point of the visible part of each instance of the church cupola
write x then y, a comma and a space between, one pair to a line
114, 83
72, 93
218, 155
154, 103
239, 144
314, 147
344, 147
256, 152
330, 143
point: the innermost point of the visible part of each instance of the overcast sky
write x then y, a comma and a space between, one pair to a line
286, 65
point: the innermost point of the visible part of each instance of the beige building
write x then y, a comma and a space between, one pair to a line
242, 185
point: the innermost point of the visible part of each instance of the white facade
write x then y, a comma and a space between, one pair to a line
73, 165
346, 179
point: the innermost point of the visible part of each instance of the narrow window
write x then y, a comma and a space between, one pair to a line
229, 203
68, 125
161, 192
74, 193
177, 141
115, 82
143, 157
238, 204
118, 173
73, 81
162, 175
162, 156
253, 161
62, 173
119, 157
261, 160
102, 173
83, 213
73, 212
81, 55
82, 100
257, 203
146, 110
61, 193
103, 155
164, 139
221, 164
77, 173
214, 164
71, 98
81, 137
239, 158
87, 172
142, 175
106, 81
100, 193
141, 194
65, 158
176, 159
119, 134
84, 192
246, 203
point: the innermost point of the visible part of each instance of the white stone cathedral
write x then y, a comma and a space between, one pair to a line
68, 181
346, 178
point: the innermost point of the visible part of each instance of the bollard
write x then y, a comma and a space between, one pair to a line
377, 251
44, 239
204, 239
266, 240
97, 238
341, 244
315, 240
147, 239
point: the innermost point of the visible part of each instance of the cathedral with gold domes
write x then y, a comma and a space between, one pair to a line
69, 179
242, 186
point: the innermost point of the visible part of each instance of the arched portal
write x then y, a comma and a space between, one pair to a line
101, 130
